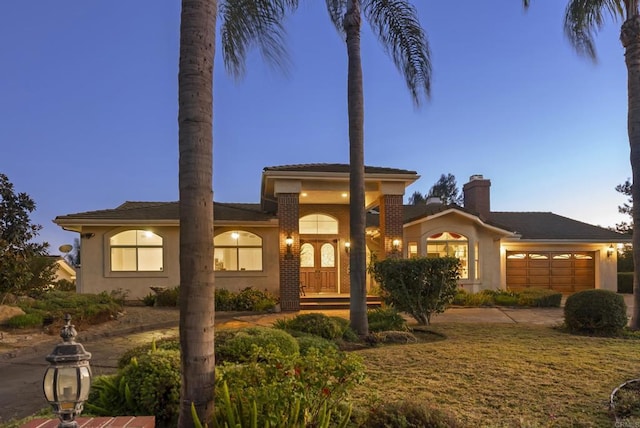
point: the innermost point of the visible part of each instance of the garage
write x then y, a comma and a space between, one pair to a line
566, 272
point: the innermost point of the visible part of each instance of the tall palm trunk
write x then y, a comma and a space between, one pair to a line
357, 214
630, 38
195, 119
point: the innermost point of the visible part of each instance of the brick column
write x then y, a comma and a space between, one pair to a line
390, 224
288, 217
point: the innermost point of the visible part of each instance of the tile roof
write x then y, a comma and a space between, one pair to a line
170, 211
336, 167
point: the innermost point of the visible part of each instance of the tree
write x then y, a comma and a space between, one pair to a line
21, 259
626, 208
583, 19
246, 22
446, 189
395, 23
417, 198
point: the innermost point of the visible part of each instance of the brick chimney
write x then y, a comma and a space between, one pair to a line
477, 197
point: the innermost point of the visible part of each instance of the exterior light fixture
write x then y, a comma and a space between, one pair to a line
395, 244
67, 380
610, 251
347, 246
289, 243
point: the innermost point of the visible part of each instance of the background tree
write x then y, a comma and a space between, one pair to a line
626, 208
20, 257
445, 188
417, 198
583, 19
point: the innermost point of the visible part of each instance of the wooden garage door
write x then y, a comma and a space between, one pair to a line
561, 271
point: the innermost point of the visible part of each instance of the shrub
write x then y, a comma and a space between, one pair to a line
409, 414
539, 297
346, 332
253, 300
168, 297
25, 321
225, 300
237, 345
317, 382
479, 299
149, 299
506, 300
375, 338
314, 323
167, 343
308, 341
601, 312
460, 298
419, 286
381, 319
625, 282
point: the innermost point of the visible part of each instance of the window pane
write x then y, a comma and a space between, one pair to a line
248, 239
225, 259
123, 259
150, 259
307, 255
146, 237
315, 224
227, 239
250, 258
127, 237
327, 255
412, 249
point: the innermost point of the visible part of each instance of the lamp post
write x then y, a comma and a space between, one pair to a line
67, 380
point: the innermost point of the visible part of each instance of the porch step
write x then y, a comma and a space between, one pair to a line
318, 303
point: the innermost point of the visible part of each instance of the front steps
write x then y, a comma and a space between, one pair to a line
318, 302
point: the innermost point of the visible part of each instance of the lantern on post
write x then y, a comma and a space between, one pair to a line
67, 380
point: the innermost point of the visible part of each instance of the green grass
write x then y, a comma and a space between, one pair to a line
515, 375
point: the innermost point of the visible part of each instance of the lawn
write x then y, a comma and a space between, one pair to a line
505, 375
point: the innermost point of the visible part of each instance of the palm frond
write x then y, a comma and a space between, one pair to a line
248, 23
584, 18
395, 23
337, 10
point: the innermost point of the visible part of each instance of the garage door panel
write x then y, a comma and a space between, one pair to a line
561, 271
538, 263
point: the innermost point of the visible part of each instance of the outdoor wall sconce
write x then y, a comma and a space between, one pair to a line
347, 246
67, 380
395, 244
289, 243
610, 251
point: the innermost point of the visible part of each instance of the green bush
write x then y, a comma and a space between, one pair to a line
460, 298
625, 282
314, 323
409, 414
419, 286
382, 319
149, 299
308, 341
224, 300
166, 343
318, 382
600, 312
539, 297
237, 345
169, 297
25, 321
250, 299
346, 332
84, 308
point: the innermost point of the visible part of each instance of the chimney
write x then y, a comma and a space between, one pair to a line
477, 197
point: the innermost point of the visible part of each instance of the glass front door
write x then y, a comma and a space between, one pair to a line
318, 266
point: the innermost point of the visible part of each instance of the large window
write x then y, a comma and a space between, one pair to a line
237, 250
136, 251
449, 244
318, 224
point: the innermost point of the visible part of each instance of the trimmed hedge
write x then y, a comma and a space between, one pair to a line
600, 312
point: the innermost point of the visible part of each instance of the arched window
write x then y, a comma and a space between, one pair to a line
136, 251
318, 224
450, 244
237, 250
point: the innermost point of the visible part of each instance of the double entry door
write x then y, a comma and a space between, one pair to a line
318, 265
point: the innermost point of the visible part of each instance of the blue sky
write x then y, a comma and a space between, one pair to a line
88, 101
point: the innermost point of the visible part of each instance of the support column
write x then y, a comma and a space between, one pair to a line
288, 217
391, 225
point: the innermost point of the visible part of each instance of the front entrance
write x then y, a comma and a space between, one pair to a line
318, 266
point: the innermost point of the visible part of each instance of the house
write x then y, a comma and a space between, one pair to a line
299, 235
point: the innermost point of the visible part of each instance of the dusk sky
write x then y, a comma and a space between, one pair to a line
88, 101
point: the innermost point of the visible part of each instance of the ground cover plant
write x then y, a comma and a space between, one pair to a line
530, 297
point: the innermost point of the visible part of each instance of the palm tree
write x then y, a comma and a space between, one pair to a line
396, 25
245, 22
583, 19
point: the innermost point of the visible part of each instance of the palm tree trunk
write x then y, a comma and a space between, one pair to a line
630, 37
357, 214
195, 119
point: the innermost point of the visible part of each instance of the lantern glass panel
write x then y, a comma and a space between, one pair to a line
85, 383
67, 384
48, 384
